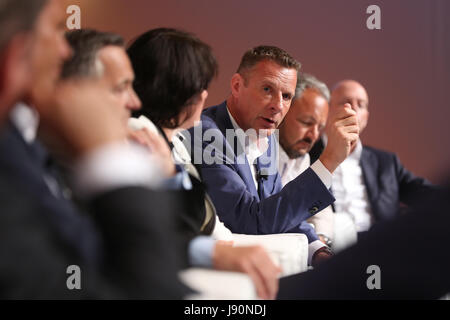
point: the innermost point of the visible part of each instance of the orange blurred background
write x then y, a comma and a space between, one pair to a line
405, 66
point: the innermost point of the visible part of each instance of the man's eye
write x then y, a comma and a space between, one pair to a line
119, 89
305, 123
287, 96
266, 89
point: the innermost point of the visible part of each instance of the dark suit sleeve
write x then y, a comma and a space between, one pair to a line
281, 212
316, 150
33, 261
397, 247
411, 187
142, 249
243, 212
136, 225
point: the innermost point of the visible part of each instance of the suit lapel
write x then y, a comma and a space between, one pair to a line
369, 166
29, 156
223, 122
268, 168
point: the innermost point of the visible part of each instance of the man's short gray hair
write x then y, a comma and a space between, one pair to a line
271, 53
85, 44
308, 81
17, 16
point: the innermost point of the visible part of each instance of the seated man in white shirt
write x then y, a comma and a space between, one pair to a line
371, 183
300, 129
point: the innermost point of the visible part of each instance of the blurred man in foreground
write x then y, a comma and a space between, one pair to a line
35, 249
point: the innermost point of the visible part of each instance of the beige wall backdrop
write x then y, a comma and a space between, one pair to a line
404, 66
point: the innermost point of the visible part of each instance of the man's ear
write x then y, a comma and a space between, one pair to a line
237, 82
15, 66
367, 117
199, 100
203, 97
3, 71
364, 120
15, 69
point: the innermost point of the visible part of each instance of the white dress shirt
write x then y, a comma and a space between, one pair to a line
289, 169
350, 191
26, 121
256, 148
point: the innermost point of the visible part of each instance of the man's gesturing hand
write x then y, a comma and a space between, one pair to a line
252, 260
343, 133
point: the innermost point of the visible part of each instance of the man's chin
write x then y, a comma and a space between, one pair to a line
261, 132
294, 154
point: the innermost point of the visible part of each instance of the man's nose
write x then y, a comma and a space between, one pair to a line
355, 106
65, 51
134, 103
313, 133
277, 103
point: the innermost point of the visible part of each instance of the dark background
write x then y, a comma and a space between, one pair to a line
404, 66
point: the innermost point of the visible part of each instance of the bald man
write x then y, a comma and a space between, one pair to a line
370, 184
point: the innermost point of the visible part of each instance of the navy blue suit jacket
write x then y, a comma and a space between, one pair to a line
387, 181
231, 187
26, 164
41, 235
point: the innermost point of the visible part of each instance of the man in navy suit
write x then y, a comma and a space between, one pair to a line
41, 233
26, 158
236, 152
370, 184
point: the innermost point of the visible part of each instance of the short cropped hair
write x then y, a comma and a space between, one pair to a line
261, 53
308, 81
17, 16
85, 44
171, 68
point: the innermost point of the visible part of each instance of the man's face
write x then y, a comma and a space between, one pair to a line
36, 74
117, 78
303, 123
264, 96
112, 80
49, 51
352, 92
